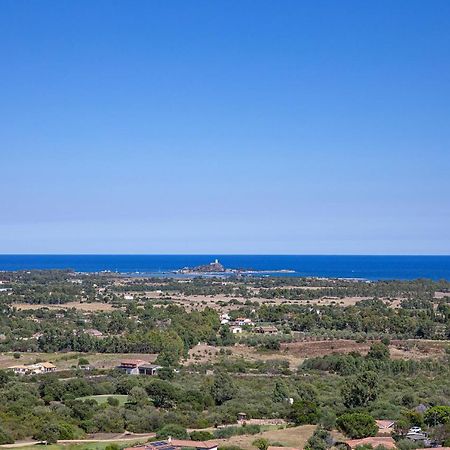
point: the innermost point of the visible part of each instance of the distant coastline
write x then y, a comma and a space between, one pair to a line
333, 266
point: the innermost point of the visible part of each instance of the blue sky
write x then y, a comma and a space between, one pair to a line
225, 127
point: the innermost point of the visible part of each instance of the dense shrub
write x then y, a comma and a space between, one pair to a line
357, 425
172, 430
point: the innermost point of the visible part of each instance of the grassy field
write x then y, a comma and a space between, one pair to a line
85, 446
104, 398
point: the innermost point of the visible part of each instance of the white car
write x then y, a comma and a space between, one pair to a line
415, 430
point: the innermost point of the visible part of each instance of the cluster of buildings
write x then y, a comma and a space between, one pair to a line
237, 324
33, 369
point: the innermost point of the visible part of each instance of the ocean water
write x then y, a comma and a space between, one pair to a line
365, 267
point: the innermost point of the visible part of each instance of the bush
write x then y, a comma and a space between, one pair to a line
172, 430
379, 351
67, 431
357, 425
304, 412
406, 444
201, 436
227, 432
437, 415
261, 443
5, 438
229, 447
320, 440
113, 401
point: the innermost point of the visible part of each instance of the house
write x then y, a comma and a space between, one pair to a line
33, 369
19, 369
241, 321
47, 367
148, 369
175, 444
266, 329
130, 366
138, 367
387, 442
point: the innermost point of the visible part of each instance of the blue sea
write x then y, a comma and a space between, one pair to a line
363, 267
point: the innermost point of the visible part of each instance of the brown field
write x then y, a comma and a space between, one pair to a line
400, 349
297, 352
88, 307
64, 361
201, 301
289, 437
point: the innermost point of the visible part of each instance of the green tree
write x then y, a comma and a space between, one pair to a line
304, 412
437, 415
320, 440
223, 388
361, 390
48, 432
357, 425
280, 391
162, 393
138, 396
379, 351
5, 437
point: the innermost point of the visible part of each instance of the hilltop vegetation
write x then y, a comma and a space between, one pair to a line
343, 390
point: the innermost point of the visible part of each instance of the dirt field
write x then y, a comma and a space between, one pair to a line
406, 349
206, 353
297, 352
64, 361
202, 301
288, 437
77, 305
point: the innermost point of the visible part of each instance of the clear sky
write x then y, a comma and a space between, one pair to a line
233, 126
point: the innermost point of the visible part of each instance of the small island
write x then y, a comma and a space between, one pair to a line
215, 267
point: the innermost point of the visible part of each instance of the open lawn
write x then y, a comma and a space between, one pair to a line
65, 445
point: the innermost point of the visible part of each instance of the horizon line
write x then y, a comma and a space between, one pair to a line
228, 254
